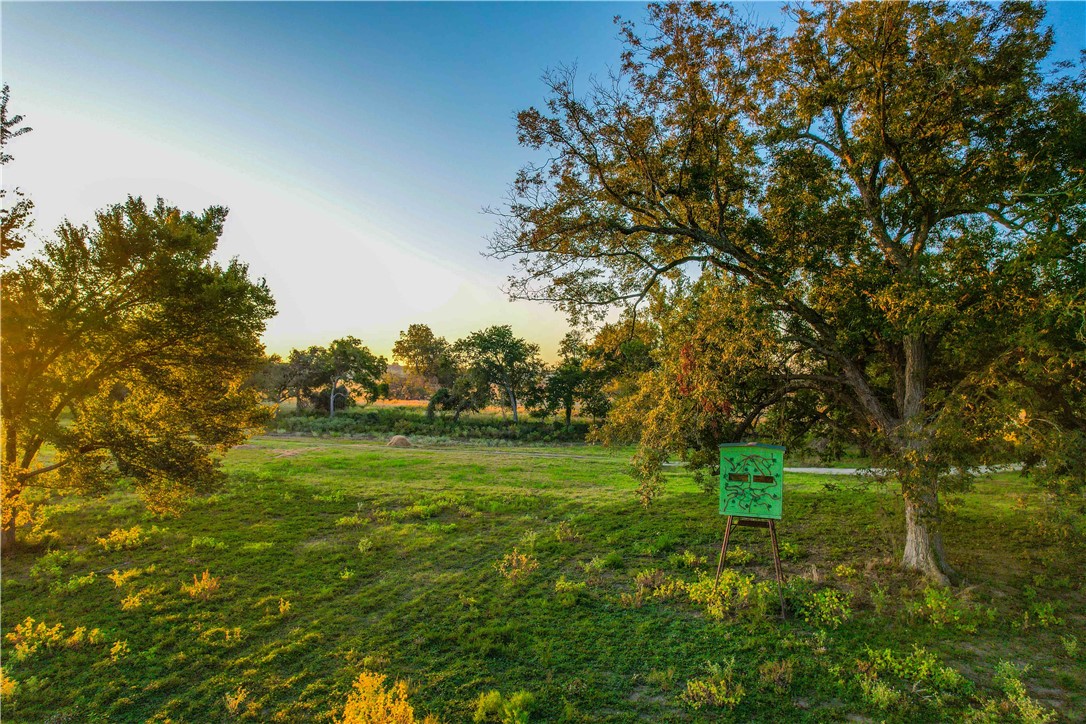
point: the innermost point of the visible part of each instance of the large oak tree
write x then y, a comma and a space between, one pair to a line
893, 186
125, 351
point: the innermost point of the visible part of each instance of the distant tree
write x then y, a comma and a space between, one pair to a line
125, 351
469, 392
892, 182
423, 353
404, 385
15, 218
567, 382
507, 362
272, 379
304, 376
340, 370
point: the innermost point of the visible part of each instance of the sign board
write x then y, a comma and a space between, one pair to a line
751, 480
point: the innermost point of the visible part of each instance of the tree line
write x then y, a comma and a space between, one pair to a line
491, 366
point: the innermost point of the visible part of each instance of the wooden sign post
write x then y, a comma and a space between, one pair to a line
752, 494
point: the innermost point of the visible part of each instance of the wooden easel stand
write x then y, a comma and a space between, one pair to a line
753, 523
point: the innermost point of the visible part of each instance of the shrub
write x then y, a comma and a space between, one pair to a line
8, 687
789, 551
776, 675
568, 592
206, 541
121, 539
565, 532
687, 558
514, 709
889, 680
739, 556
203, 587
30, 636
371, 703
118, 651
663, 678
718, 689
828, 607
1045, 614
649, 580
235, 700
733, 593
1016, 704
940, 608
516, 566
74, 584
350, 520
120, 578
50, 565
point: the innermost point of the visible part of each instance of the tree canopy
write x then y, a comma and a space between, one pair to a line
892, 195
327, 377
125, 349
15, 216
504, 360
423, 353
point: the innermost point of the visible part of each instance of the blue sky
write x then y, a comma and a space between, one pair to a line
355, 143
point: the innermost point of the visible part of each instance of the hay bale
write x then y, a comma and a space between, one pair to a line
399, 441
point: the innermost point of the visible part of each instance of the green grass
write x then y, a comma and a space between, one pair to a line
388, 560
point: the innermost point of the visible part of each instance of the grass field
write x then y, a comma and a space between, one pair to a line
325, 558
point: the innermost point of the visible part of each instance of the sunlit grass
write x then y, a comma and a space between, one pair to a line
331, 558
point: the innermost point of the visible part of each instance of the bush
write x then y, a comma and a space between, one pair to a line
203, 588
889, 680
718, 689
120, 539
413, 422
733, 593
371, 703
827, 608
493, 707
516, 565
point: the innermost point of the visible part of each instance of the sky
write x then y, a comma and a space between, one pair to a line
356, 144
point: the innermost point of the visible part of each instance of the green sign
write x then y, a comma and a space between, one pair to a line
751, 480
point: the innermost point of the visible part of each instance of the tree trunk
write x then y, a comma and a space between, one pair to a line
332, 399
7, 537
569, 414
923, 542
513, 404
7, 490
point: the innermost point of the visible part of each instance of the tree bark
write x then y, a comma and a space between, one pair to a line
923, 542
9, 491
513, 404
7, 537
332, 398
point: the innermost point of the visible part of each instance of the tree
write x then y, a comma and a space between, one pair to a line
868, 181
469, 392
347, 361
272, 379
503, 360
15, 220
423, 353
403, 385
325, 376
568, 382
125, 350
